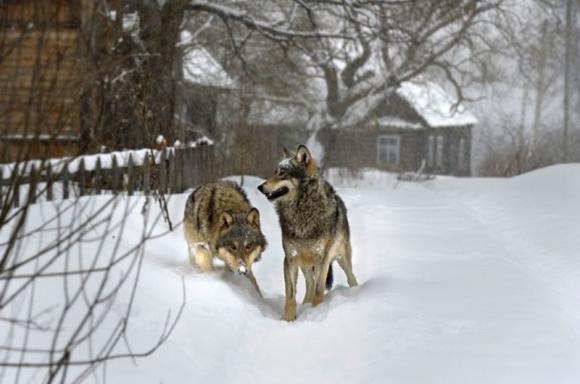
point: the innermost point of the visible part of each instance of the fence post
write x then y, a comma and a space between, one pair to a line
204, 164
146, 175
210, 163
212, 169
172, 172
49, 181
16, 181
82, 177
1, 185
130, 176
65, 181
98, 176
184, 169
32, 183
114, 175
179, 169
163, 172
194, 167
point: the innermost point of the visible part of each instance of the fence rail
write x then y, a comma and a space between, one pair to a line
172, 170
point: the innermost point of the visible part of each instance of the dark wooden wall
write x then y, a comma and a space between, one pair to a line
39, 70
357, 148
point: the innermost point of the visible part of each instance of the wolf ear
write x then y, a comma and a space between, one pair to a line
288, 154
227, 220
253, 218
303, 155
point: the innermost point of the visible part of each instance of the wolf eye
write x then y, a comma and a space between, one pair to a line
234, 247
248, 246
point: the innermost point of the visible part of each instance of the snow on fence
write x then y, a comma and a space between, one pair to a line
172, 170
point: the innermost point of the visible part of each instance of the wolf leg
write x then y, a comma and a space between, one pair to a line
290, 277
332, 252
321, 282
199, 254
252, 279
308, 273
345, 262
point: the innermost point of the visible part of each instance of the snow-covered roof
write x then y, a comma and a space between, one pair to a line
200, 67
397, 122
435, 105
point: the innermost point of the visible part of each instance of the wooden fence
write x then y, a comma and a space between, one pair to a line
172, 170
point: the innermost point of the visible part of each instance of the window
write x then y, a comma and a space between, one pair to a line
461, 158
439, 152
430, 151
388, 149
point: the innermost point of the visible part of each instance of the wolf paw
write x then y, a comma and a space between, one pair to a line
318, 299
290, 312
289, 317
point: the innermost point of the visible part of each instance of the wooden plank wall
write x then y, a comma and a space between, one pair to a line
39, 69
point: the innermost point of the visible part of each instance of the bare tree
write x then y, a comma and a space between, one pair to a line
392, 43
567, 77
358, 52
68, 272
131, 49
535, 56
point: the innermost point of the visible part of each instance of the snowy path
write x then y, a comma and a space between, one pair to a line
462, 281
466, 312
449, 294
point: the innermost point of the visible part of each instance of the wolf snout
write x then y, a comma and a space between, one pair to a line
261, 188
242, 270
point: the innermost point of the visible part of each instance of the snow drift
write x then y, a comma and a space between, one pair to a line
461, 281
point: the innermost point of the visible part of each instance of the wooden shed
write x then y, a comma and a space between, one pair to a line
419, 123
39, 77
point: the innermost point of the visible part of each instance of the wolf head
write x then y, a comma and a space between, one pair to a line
240, 241
290, 172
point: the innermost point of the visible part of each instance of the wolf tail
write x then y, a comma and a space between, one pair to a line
329, 278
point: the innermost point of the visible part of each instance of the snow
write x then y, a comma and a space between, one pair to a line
131, 21
203, 140
396, 122
315, 147
435, 105
461, 281
90, 162
200, 67
285, 163
360, 109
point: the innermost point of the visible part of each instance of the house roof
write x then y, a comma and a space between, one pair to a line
434, 105
397, 122
201, 68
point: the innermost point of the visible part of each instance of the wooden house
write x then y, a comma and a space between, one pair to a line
39, 77
205, 89
47, 54
418, 124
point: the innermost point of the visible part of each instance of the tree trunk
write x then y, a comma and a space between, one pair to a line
567, 78
130, 97
540, 85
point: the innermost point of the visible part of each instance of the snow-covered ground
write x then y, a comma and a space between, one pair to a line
461, 281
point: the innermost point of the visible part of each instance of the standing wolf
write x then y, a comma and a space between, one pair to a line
220, 221
315, 229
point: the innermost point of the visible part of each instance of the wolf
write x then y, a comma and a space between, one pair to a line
219, 221
314, 223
